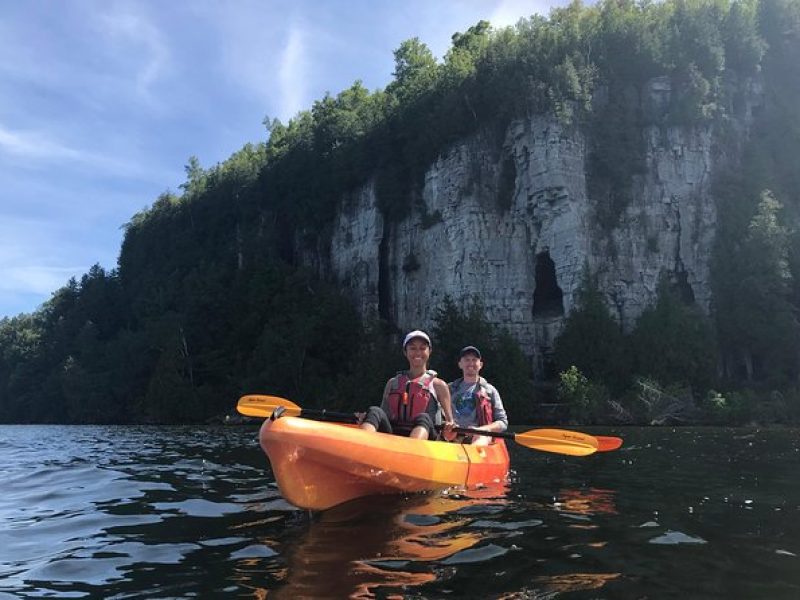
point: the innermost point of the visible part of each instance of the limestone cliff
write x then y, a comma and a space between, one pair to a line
511, 225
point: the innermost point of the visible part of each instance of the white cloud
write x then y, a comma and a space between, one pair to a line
263, 56
293, 75
89, 54
35, 145
34, 149
131, 34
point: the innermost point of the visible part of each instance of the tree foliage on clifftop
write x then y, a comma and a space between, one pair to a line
208, 301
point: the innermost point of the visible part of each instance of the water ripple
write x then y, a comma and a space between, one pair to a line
149, 512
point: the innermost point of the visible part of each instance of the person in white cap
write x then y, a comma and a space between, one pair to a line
414, 401
476, 402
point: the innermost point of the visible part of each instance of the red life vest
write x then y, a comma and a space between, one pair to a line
483, 403
408, 398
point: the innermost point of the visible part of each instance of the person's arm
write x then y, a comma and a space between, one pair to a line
443, 395
384, 404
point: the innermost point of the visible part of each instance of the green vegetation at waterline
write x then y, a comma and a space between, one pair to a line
669, 369
208, 300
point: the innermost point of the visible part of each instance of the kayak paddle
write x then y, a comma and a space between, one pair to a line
559, 441
607, 443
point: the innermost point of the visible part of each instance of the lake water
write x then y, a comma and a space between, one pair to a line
156, 512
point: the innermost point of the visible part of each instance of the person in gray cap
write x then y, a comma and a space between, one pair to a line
476, 402
414, 401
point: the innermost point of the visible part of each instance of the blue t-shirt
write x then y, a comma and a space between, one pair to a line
462, 398
464, 403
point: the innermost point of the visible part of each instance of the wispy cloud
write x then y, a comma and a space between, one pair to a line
293, 75
34, 149
264, 57
35, 145
130, 34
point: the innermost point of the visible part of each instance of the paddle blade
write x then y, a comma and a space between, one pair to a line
558, 441
256, 405
607, 443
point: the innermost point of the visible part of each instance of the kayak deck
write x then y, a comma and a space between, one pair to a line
318, 465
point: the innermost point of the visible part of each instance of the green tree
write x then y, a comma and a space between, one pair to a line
506, 367
415, 71
755, 309
591, 339
673, 343
461, 61
586, 399
195, 176
744, 45
20, 352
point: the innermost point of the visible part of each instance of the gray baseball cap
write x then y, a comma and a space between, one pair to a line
416, 334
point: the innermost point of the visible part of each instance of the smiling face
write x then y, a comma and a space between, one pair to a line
470, 365
417, 352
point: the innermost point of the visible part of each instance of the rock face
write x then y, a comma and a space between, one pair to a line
510, 224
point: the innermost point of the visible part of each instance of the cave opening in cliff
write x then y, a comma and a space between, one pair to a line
683, 288
548, 299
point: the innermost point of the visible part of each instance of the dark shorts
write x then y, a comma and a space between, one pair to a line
378, 418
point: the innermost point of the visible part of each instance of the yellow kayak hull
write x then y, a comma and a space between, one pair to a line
318, 464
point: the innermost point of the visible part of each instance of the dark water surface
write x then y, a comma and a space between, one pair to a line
154, 512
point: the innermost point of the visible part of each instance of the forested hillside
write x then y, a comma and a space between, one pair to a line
209, 301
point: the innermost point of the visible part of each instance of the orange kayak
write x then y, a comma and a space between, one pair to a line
318, 464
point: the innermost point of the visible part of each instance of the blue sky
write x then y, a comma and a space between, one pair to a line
102, 102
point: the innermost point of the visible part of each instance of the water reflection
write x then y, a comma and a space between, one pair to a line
450, 543
384, 543
549, 587
590, 501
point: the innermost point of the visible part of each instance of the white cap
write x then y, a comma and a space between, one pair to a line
416, 334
